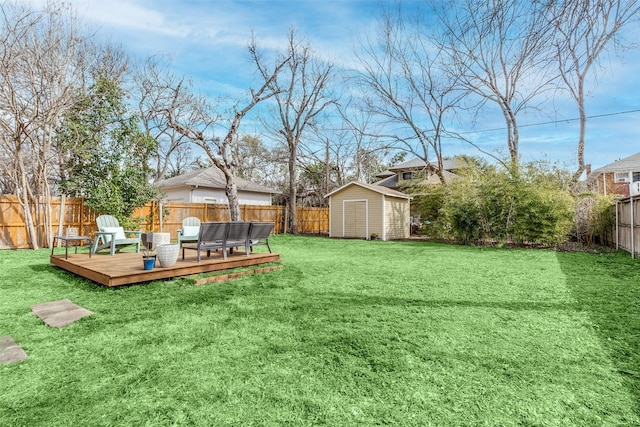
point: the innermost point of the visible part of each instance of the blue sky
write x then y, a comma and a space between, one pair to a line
207, 40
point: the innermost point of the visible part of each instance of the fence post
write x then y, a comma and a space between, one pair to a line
633, 225
617, 227
286, 219
61, 214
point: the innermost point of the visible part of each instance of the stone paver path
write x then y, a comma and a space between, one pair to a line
59, 313
10, 352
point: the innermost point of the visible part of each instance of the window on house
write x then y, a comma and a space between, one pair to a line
636, 176
210, 200
621, 177
407, 175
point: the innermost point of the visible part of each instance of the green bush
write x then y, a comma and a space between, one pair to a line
530, 204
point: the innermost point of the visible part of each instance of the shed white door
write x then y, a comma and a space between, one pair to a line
355, 219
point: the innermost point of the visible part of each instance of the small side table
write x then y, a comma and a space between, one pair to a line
67, 239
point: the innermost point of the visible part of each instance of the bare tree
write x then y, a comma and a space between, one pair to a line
255, 158
333, 153
43, 60
408, 89
366, 148
498, 51
158, 89
193, 117
333, 150
301, 94
322, 161
183, 159
584, 30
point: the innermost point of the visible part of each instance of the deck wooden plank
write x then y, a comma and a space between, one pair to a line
125, 268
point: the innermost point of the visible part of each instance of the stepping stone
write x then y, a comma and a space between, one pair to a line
59, 313
10, 352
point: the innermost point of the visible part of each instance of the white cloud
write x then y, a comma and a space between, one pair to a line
125, 14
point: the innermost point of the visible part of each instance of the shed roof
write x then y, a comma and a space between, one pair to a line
373, 187
212, 178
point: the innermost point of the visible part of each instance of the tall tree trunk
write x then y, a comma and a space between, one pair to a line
514, 141
583, 127
327, 170
234, 206
231, 191
45, 200
293, 191
25, 198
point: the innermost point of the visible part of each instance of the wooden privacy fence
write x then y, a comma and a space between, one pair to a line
627, 229
166, 217
169, 219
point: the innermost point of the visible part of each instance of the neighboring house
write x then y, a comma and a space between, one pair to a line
207, 186
620, 177
415, 170
362, 211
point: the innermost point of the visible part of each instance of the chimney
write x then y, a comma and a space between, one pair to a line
588, 169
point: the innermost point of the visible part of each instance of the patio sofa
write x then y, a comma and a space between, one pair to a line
226, 236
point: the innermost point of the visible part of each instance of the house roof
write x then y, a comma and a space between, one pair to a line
622, 165
448, 176
416, 163
409, 164
212, 178
392, 181
373, 187
385, 174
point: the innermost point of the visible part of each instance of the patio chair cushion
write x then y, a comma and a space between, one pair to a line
118, 230
191, 230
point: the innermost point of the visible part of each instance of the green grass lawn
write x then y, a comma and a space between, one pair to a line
347, 333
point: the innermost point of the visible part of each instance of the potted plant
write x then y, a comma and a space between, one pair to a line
148, 257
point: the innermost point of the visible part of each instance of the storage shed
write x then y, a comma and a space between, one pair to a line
359, 210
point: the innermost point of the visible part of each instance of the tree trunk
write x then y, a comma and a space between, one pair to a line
512, 134
583, 127
231, 190
293, 193
47, 209
24, 198
327, 170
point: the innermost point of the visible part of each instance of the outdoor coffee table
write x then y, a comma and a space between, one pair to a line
67, 239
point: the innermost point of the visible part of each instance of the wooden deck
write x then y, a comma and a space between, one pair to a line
126, 268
